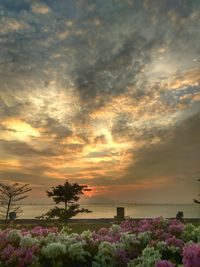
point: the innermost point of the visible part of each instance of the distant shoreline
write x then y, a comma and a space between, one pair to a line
86, 220
119, 204
108, 210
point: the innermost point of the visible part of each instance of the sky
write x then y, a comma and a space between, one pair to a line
104, 93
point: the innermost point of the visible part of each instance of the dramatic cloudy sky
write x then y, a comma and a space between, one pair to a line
102, 92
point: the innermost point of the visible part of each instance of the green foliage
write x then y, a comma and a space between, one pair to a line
191, 233
68, 194
148, 258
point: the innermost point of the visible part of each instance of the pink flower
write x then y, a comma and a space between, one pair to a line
173, 241
164, 263
40, 231
103, 231
176, 227
191, 255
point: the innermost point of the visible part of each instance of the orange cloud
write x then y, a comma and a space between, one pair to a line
10, 164
188, 78
18, 129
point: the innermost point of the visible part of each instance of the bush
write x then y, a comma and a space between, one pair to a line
148, 243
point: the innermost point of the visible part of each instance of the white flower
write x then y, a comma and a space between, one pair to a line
114, 229
54, 250
65, 230
28, 241
86, 234
77, 251
14, 237
144, 237
106, 254
51, 237
69, 239
128, 241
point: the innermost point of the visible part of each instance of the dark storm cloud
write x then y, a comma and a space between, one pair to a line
177, 155
121, 52
125, 128
110, 77
122, 126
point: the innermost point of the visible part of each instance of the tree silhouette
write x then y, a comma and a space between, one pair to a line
68, 194
9, 195
195, 200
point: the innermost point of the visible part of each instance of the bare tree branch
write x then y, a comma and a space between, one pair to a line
9, 195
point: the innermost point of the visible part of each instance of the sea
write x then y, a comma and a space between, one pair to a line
30, 211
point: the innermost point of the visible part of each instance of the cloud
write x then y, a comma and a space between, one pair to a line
53, 126
110, 77
9, 25
11, 106
40, 8
22, 149
4, 128
176, 155
110, 87
100, 139
20, 176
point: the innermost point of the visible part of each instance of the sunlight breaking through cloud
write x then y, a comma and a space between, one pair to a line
105, 93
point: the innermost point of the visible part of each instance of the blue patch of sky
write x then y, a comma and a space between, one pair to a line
17, 5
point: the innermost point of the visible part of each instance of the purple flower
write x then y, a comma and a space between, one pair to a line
129, 226
7, 252
121, 257
191, 255
145, 225
164, 263
25, 257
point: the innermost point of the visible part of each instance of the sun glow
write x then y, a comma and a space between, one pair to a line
19, 129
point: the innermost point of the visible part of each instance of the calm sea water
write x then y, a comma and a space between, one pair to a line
132, 210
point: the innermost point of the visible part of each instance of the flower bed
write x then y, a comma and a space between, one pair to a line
147, 243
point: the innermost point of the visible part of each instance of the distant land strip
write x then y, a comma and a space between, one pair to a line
95, 220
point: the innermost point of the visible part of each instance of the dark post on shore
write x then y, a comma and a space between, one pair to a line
120, 214
179, 215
